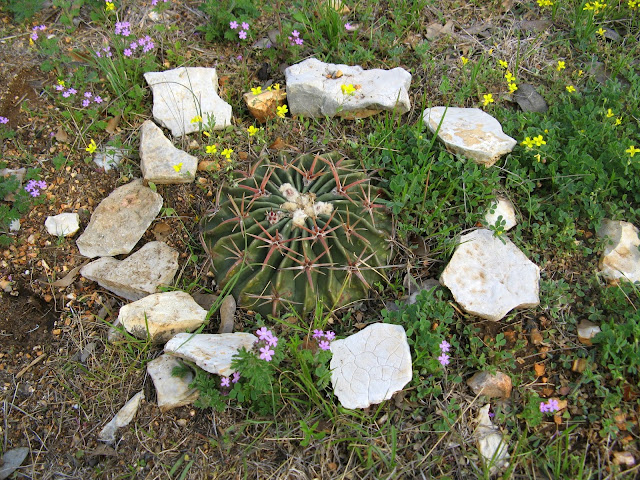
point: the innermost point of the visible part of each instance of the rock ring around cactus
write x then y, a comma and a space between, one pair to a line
294, 233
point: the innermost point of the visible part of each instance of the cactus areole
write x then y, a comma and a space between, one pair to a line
299, 232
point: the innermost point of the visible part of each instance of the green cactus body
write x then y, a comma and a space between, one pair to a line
297, 233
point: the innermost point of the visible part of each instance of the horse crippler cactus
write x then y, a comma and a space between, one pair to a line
297, 233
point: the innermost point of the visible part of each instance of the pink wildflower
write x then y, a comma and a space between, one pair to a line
242, 34
445, 346
224, 381
266, 353
444, 359
245, 26
97, 99
324, 345
330, 335
233, 25
235, 377
317, 334
263, 333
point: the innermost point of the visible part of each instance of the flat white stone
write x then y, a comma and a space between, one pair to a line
371, 365
502, 208
110, 158
211, 352
181, 94
160, 161
121, 419
490, 443
621, 257
161, 315
64, 224
119, 221
489, 278
137, 276
314, 89
470, 132
172, 391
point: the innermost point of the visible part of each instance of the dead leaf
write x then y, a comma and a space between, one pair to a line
69, 278
278, 144
112, 124
579, 365
536, 336
243, 156
624, 458
61, 135
161, 231
539, 369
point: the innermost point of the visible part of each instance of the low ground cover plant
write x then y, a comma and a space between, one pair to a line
573, 411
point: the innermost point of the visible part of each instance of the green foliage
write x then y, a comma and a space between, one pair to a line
22, 9
299, 232
22, 201
221, 12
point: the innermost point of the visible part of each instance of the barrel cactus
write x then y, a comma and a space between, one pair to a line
299, 232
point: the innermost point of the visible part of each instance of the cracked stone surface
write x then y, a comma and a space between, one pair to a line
489, 278
470, 132
211, 352
502, 207
621, 257
172, 391
370, 366
182, 93
314, 89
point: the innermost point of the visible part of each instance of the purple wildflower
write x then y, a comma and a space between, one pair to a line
235, 377
127, 52
245, 26
59, 87
86, 102
87, 94
148, 46
295, 33
445, 346
72, 91
97, 99
40, 27
123, 28
224, 381
233, 25
266, 353
553, 405
349, 27
330, 335
324, 345
34, 36
133, 45
263, 333
444, 359
299, 41
272, 340
33, 187
42, 185
98, 54
317, 334
66, 94
543, 407
4, 120
242, 34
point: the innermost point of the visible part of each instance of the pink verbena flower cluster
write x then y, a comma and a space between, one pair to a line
106, 52
227, 381
268, 340
68, 92
295, 38
146, 43
444, 357
328, 336
155, 2
4, 120
33, 187
34, 33
123, 28
244, 29
549, 407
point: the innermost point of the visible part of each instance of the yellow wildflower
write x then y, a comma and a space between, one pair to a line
227, 153
211, 149
601, 31
528, 142
178, 167
61, 82
632, 150
539, 141
256, 91
276, 86
206, 134
509, 76
580, 73
560, 66
92, 146
252, 130
487, 99
281, 111
464, 60
618, 121
196, 119
348, 89
512, 87
537, 157
109, 6
633, 3
570, 88
503, 64
545, 3
610, 113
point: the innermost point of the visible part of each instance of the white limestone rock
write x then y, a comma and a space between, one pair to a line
489, 278
160, 161
138, 275
490, 442
502, 207
122, 418
371, 365
314, 89
211, 352
161, 315
621, 257
64, 224
110, 158
181, 94
470, 132
172, 391
119, 221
